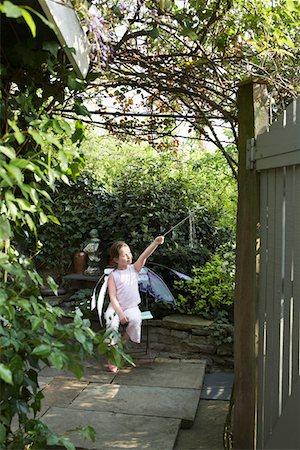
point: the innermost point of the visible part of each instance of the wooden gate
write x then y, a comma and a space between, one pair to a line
278, 381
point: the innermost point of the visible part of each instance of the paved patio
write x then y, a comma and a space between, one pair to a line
154, 405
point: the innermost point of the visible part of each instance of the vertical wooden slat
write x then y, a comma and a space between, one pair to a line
278, 294
263, 263
269, 316
288, 281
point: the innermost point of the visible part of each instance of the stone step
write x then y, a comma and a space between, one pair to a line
114, 431
150, 401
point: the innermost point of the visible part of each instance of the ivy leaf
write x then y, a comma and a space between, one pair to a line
5, 374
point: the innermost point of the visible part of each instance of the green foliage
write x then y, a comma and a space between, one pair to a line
81, 300
134, 193
32, 332
212, 288
38, 150
222, 328
78, 206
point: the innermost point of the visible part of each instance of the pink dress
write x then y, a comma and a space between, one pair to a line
128, 296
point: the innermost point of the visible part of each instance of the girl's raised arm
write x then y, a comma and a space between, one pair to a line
141, 261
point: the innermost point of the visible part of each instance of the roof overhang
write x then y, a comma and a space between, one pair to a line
69, 32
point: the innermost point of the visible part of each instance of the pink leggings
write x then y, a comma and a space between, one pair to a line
133, 328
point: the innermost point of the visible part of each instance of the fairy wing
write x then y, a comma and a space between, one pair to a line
100, 301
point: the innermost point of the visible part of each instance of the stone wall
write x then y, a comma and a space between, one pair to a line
191, 337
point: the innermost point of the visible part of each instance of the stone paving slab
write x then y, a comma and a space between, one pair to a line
207, 430
164, 374
115, 431
141, 400
93, 373
61, 392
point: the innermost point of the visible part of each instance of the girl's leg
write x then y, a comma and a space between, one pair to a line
133, 329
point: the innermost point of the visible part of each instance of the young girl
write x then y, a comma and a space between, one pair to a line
124, 293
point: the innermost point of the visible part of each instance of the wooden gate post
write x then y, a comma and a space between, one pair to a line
253, 120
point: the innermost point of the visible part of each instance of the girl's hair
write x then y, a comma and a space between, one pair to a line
115, 251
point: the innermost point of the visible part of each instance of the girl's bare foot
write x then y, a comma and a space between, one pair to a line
112, 368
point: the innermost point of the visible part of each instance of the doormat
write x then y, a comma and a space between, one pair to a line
217, 386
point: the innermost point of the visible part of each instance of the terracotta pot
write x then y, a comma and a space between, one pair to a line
79, 262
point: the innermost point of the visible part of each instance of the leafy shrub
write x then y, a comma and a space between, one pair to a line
146, 196
212, 287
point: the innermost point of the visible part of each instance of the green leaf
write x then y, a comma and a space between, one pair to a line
67, 443
42, 350
88, 432
30, 22
77, 370
8, 151
53, 439
53, 285
57, 359
154, 33
15, 172
40, 16
80, 336
11, 10
30, 222
2, 433
38, 137
52, 47
186, 31
5, 374
25, 205
291, 5
25, 305
54, 219
5, 229
6, 180
36, 323
49, 327
81, 110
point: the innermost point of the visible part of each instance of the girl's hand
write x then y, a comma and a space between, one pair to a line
159, 240
123, 320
